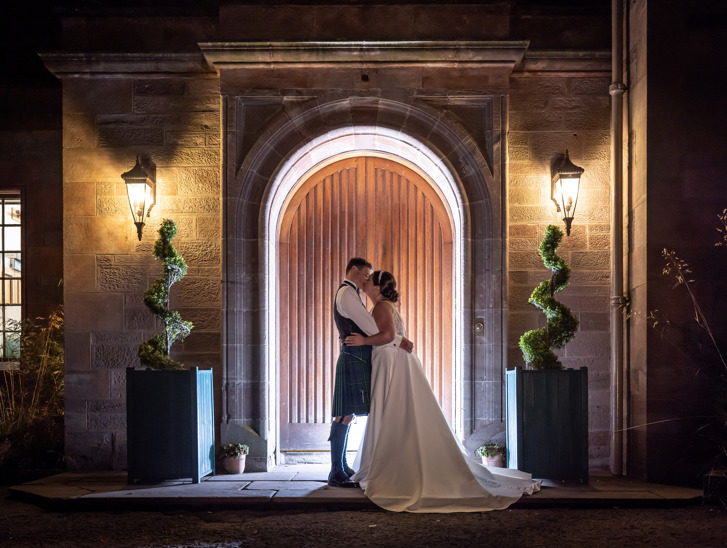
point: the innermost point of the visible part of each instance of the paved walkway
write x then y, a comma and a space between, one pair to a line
304, 486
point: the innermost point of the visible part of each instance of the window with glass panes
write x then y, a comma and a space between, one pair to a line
10, 296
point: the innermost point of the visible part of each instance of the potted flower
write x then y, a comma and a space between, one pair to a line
169, 409
233, 457
547, 405
492, 454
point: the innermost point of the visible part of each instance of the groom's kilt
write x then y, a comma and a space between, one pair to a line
352, 391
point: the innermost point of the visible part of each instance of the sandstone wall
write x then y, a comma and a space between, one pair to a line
174, 125
549, 114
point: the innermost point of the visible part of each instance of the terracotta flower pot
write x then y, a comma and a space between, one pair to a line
234, 465
498, 461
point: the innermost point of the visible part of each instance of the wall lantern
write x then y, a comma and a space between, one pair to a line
141, 189
566, 182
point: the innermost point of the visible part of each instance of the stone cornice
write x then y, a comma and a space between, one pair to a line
63, 64
225, 55
566, 61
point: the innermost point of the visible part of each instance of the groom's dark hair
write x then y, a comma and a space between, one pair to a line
358, 262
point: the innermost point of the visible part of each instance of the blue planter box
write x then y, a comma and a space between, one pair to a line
547, 423
169, 424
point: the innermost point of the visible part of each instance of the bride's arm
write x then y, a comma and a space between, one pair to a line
384, 321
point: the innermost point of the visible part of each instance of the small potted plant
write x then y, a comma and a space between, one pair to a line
492, 454
233, 457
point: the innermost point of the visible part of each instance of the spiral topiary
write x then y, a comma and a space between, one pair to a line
561, 323
154, 353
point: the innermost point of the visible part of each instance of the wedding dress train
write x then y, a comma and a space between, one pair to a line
410, 459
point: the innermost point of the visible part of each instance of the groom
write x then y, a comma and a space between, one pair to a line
352, 388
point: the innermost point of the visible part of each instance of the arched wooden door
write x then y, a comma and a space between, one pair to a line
381, 210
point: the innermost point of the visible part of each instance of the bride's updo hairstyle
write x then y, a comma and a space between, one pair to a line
387, 284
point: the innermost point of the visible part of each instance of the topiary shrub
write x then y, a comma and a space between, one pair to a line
154, 353
561, 324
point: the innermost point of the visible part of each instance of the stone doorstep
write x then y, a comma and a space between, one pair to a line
300, 485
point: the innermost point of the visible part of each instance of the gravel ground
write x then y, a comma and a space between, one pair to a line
26, 525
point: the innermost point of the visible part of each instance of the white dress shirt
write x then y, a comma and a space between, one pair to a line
350, 306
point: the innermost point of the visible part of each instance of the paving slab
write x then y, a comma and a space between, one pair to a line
304, 486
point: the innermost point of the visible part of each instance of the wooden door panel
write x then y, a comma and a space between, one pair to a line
381, 210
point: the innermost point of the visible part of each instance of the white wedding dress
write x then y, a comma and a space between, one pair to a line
410, 459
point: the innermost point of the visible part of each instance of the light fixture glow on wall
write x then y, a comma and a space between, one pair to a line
141, 190
565, 185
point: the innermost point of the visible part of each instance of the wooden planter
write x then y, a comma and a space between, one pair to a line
547, 423
169, 424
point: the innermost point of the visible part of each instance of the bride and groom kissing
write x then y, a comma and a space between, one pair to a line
410, 458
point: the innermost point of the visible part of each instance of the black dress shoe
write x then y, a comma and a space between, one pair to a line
341, 480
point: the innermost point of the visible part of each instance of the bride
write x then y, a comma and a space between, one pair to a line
410, 459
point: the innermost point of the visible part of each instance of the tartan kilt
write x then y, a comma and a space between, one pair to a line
352, 389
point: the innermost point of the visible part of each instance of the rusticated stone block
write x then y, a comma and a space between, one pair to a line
199, 181
106, 406
101, 422
118, 337
522, 244
204, 319
117, 384
199, 204
589, 343
599, 241
523, 260
114, 357
139, 319
104, 188
113, 205
531, 214
200, 253
202, 342
196, 122
523, 231
193, 157
182, 138
526, 195
590, 260
199, 292
209, 228
518, 298
576, 241
122, 278
590, 277
594, 321
590, 86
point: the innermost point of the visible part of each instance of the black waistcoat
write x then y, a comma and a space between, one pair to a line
345, 326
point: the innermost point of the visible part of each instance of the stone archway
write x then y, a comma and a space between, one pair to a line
259, 177
392, 149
